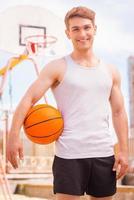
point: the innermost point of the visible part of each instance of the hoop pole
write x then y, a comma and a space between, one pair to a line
37, 73
4, 182
4, 77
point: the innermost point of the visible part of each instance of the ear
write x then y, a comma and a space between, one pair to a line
95, 29
67, 33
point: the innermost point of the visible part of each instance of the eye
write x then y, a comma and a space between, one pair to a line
75, 29
87, 27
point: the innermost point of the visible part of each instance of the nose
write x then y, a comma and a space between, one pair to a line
82, 33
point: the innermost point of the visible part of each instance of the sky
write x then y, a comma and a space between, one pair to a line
113, 42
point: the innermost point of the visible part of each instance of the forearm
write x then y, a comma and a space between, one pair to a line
120, 123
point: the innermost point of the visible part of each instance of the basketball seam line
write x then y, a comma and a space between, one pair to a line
34, 111
42, 122
45, 136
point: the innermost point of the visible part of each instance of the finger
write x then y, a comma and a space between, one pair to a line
14, 160
21, 155
115, 167
7, 163
120, 175
8, 157
122, 171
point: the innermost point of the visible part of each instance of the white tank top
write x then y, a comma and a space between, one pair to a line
83, 99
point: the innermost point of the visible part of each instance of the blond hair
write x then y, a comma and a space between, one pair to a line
80, 11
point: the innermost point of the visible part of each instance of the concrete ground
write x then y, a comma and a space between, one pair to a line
21, 197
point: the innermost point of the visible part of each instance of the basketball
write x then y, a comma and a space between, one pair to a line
43, 124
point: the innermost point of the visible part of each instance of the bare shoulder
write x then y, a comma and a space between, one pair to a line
55, 65
113, 70
54, 70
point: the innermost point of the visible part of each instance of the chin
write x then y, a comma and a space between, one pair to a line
84, 48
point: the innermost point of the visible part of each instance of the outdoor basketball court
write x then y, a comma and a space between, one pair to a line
31, 35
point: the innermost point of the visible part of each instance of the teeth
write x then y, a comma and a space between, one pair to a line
82, 40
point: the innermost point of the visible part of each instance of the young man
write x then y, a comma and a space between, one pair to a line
83, 87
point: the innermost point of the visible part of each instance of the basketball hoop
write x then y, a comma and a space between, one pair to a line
37, 44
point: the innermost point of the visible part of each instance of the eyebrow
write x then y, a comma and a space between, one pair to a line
73, 27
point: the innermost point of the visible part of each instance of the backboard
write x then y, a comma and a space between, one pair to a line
19, 22
27, 30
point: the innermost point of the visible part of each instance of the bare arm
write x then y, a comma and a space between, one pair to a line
46, 79
34, 93
120, 123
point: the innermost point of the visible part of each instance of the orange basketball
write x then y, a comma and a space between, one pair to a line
43, 124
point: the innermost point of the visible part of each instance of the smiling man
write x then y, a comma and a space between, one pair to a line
84, 87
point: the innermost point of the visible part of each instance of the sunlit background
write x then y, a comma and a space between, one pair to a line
113, 44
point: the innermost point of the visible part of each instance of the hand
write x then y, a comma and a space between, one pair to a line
14, 150
121, 165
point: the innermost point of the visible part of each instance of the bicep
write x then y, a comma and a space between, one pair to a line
38, 89
116, 97
116, 100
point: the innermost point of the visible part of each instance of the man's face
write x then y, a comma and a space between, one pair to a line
81, 31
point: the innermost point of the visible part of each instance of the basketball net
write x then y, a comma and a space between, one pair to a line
40, 44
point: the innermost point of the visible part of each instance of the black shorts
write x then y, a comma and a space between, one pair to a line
93, 176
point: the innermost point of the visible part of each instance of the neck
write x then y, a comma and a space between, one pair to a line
83, 55
86, 58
